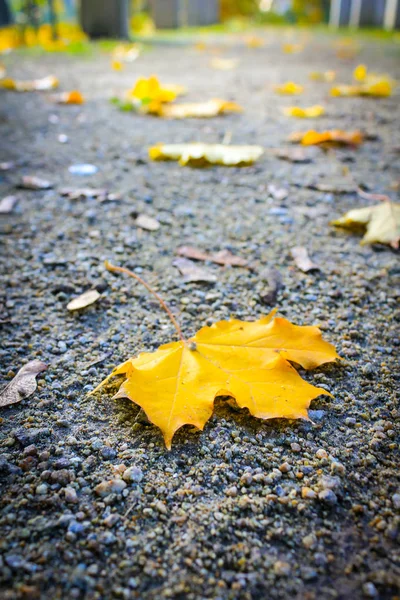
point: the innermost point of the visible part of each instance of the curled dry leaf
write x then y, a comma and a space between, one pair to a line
381, 223
7, 204
224, 257
332, 137
192, 272
24, 383
302, 260
304, 113
83, 300
76, 193
74, 97
327, 76
208, 109
146, 222
37, 85
224, 64
333, 187
289, 89
31, 182
249, 361
296, 155
273, 279
200, 155
373, 197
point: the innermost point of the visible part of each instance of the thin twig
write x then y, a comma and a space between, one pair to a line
115, 269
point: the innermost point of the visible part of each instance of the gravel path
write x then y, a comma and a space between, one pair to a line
246, 510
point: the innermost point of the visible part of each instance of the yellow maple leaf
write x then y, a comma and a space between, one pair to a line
200, 155
150, 93
37, 85
211, 108
289, 88
178, 383
381, 223
327, 76
292, 48
304, 113
333, 136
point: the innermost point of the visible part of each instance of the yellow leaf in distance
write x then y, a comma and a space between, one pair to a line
360, 73
147, 91
211, 108
200, 155
327, 76
304, 113
177, 384
333, 136
74, 97
37, 85
254, 41
117, 65
289, 89
292, 48
380, 222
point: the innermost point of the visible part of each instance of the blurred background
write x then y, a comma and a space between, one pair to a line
57, 22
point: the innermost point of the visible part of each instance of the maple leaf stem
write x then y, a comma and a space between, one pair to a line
115, 269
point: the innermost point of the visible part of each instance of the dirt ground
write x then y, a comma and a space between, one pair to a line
244, 510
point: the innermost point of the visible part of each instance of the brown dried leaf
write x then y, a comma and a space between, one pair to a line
302, 260
24, 383
295, 155
224, 257
192, 272
7, 204
29, 182
83, 300
76, 193
273, 279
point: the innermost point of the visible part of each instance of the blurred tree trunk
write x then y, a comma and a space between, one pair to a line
53, 19
5, 13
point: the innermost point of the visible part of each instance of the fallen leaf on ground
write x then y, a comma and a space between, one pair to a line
74, 97
289, 88
192, 272
224, 257
327, 76
125, 53
332, 187
360, 73
273, 279
37, 85
148, 94
278, 193
31, 182
376, 88
211, 108
304, 113
83, 300
254, 41
292, 48
224, 64
146, 222
295, 155
7, 204
248, 361
117, 65
381, 223
334, 136
302, 260
200, 155
24, 383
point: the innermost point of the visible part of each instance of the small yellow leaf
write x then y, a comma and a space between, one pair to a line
117, 65
254, 41
380, 222
211, 108
200, 155
177, 384
333, 136
360, 73
148, 94
304, 113
289, 88
292, 48
37, 85
327, 76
